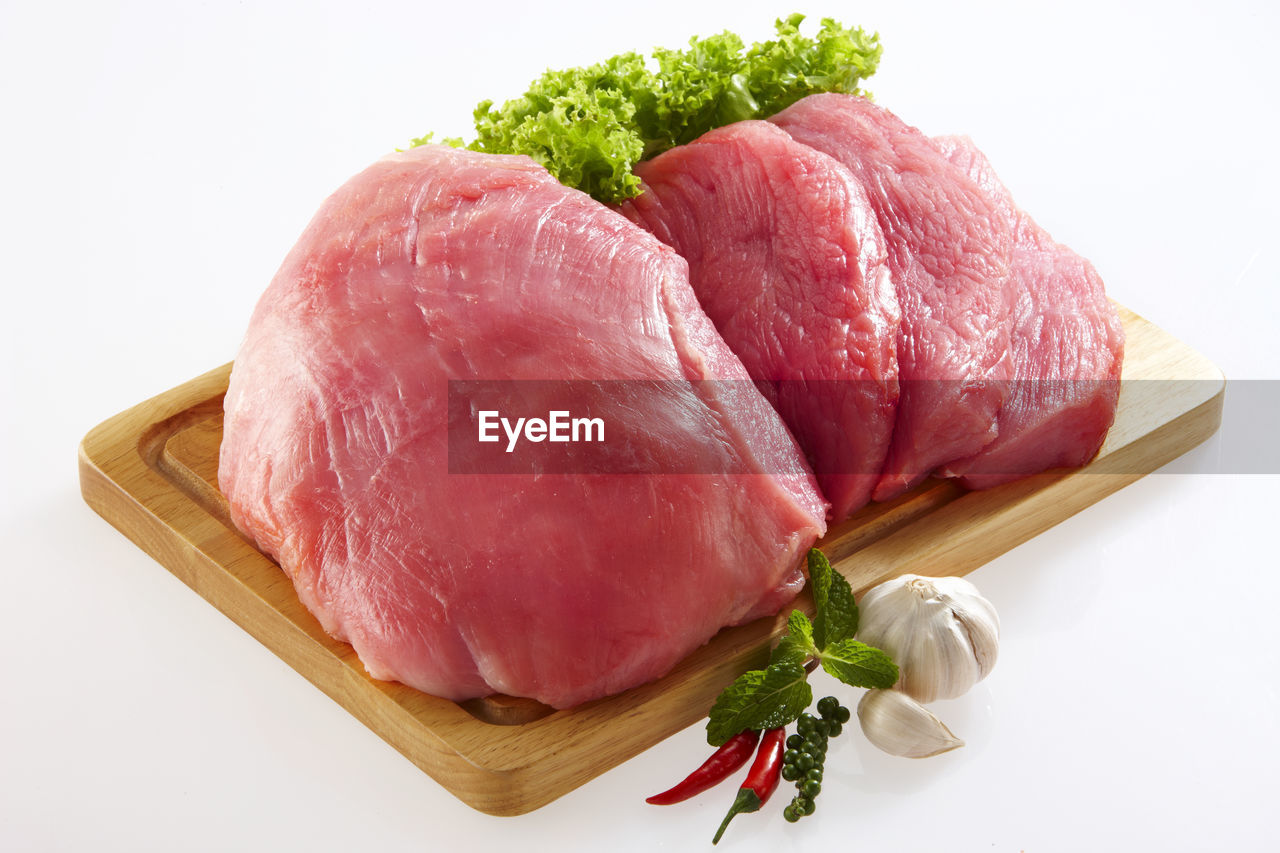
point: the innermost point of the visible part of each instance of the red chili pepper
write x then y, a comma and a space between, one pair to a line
723, 761
762, 779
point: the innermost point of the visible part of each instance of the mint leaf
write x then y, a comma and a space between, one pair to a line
819, 581
838, 620
837, 613
789, 650
800, 628
857, 664
796, 646
760, 699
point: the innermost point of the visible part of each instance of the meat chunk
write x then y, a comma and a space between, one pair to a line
787, 258
1067, 346
950, 250
437, 265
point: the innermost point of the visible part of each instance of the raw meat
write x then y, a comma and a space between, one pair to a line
439, 264
787, 259
1067, 346
950, 251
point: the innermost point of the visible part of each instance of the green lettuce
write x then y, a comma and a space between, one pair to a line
590, 126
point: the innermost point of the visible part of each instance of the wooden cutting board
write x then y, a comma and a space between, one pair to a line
151, 472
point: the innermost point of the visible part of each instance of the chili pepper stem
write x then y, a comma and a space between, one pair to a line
761, 781
746, 801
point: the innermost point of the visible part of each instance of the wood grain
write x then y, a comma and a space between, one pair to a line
151, 472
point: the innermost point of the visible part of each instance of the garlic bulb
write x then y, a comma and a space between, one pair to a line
941, 633
900, 725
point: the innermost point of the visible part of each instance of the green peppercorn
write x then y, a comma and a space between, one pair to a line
791, 772
794, 741
811, 788
834, 728
827, 705
812, 775
804, 725
791, 814
842, 715
805, 762
821, 727
790, 756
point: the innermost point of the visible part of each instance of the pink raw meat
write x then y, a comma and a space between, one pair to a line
787, 259
439, 264
950, 250
1067, 345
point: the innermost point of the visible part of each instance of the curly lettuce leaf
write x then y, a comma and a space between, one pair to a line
579, 123
590, 126
791, 67
715, 83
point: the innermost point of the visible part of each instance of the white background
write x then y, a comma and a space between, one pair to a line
159, 159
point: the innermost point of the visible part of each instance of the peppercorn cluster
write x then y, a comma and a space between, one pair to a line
807, 753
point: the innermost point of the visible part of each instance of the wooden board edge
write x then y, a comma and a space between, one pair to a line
444, 752
114, 478
908, 549
1024, 509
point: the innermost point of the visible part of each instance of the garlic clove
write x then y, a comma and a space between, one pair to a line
899, 725
978, 618
941, 632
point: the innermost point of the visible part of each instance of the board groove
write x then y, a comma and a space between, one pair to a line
151, 471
